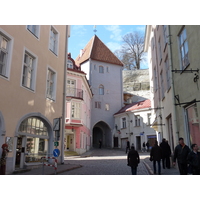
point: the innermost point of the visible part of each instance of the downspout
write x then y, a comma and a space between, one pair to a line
64, 97
172, 84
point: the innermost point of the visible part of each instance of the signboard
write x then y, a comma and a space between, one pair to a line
142, 133
56, 124
56, 144
56, 152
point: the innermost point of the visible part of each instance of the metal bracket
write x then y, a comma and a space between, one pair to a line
186, 71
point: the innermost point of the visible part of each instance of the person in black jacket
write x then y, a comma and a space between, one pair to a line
166, 153
181, 153
133, 160
194, 160
156, 156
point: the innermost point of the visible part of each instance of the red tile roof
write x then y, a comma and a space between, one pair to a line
135, 106
97, 50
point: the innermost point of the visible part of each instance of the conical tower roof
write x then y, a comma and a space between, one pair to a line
97, 50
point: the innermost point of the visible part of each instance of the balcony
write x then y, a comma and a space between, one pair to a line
74, 93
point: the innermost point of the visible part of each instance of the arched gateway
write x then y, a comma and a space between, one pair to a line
102, 131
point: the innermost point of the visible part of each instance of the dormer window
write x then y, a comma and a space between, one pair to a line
70, 64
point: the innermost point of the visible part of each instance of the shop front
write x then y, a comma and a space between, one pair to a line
34, 140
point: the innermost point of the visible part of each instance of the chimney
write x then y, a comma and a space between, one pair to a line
81, 52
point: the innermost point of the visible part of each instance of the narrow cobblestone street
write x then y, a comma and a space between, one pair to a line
104, 162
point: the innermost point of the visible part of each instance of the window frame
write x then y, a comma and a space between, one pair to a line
53, 95
101, 69
97, 104
9, 54
101, 89
56, 40
34, 70
76, 110
123, 122
37, 30
137, 121
185, 58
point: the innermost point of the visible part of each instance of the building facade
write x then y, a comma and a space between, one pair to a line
104, 73
185, 45
132, 123
157, 44
32, 63
78, 110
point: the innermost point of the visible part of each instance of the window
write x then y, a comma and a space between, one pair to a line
124, 122
155, 82
137, 120
162, 85
183, 49
5, 55
167, 73
76, 110
70, 64
160, 50
94, 67
165, 33
101, 90
101, 69
34, 29
148, 119
51, 77
107, 69
98, 104
71, 88
29, 68
192, 122
54, 41
107, 106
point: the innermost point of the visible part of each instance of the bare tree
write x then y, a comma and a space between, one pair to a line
132, 51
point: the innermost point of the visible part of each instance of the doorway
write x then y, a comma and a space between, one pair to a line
18, 152
138, 143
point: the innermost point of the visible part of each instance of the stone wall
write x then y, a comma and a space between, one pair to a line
136, 82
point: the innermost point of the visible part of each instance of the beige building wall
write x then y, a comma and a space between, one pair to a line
185, 86
163, 114
18, 102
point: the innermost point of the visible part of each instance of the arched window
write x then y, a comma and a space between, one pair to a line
101, 69
101, 90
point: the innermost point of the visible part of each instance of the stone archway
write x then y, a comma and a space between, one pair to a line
102, 131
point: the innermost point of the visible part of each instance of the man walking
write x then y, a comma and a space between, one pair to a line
166, 152
194, 160
155, 156
133, 160
127, 146
181, 153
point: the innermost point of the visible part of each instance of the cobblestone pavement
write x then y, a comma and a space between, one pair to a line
103, 162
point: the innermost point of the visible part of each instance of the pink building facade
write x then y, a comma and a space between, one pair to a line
78, 110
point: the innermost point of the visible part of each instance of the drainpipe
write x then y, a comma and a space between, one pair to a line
172, 85
64, 97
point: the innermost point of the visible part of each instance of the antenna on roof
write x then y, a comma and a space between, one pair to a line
94, 29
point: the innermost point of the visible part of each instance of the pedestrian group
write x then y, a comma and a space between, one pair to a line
188, 160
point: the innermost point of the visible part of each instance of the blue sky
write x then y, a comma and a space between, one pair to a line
110, 35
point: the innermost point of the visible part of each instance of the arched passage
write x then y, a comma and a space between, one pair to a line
102, 131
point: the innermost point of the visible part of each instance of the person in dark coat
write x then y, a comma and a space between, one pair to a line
127, 146
133, 160
194, 160
156, 156
180, 154
100, 143
166, 153
147, 145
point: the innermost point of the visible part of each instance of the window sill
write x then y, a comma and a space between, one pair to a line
53, 52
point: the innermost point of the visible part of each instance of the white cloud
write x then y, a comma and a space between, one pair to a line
78, 30
115, 32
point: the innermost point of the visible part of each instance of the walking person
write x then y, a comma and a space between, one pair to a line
147, 145
127, 146
166, 153
100, 143
155, 156
144, 149
180, 154
194, 160
133, 160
